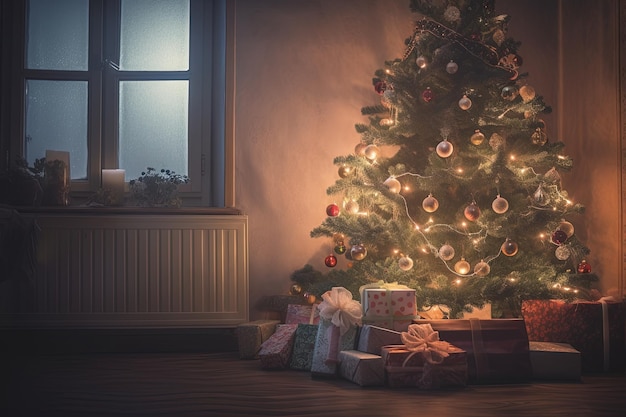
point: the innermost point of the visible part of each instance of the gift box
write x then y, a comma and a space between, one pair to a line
275, 352
594, 328
340, 317
556, 361
251, 335
307, 314
390, 306
362, 368
373, 338
497, 349
304, 342
424, 361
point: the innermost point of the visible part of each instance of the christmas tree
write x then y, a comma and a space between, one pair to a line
455, 188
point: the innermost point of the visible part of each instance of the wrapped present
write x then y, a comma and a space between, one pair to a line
388, 305
362, 368
340, 317
275, 352
594, 328
251, 335
557, 361
497, 349
373, 338
298, 313
303, 344
424, 361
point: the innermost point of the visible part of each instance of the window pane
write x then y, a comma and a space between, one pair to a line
153, 126
58, 33
56, 119
154, 35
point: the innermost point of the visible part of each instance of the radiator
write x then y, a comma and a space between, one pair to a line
120, 271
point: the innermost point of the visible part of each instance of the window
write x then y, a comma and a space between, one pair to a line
122, 84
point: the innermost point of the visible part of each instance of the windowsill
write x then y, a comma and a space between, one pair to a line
126, 210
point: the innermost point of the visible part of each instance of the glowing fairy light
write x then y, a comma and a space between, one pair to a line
458, 281
459, 170
512, 157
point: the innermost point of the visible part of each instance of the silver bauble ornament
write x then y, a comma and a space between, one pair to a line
446, 252
562, 253
421, 61
465, 103
405, 263
371, 152
482, 269
358, 252
351, 207
500, 205
452, 67
444, 149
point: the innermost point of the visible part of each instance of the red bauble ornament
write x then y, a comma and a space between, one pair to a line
584, 267
380, 87
559, 237
331, 261
332, 210
428, 95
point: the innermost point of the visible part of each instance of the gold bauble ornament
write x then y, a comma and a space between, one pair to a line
430, 204
393, 185
462, 267
344, 171
295, 289
477, 138
527, 93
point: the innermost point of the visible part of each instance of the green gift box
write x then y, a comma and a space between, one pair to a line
303, 345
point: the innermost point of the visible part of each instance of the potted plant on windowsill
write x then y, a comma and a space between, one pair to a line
22, 185
157, 188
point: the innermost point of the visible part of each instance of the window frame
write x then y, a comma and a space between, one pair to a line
211, 98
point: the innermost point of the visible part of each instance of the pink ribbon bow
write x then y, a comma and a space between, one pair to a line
422, 338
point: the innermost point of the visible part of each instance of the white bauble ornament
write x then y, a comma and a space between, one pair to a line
405, 263
352, 207
393, 185
421, 61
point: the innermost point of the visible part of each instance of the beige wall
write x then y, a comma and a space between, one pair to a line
304, 70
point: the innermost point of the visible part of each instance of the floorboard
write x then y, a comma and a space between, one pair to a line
220, 384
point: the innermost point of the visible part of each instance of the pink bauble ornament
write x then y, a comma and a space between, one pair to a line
332, 210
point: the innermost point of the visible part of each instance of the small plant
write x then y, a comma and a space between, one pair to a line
157, 188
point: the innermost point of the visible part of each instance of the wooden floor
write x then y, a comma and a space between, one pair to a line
220, 384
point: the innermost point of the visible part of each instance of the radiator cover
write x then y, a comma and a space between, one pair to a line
129, 270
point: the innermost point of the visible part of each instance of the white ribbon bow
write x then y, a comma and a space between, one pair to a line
422, 338
338, 306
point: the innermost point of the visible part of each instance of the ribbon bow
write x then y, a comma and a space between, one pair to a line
381, 285
422, 338
338, 306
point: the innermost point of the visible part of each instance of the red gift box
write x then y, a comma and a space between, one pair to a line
497, 350
405, 368
595, 328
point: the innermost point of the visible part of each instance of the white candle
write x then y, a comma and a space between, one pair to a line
113, 180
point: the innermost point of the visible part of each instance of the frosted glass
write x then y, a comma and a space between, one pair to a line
153, 126
154, 35
56, 119
58, 35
